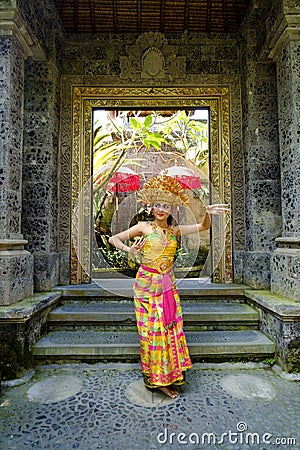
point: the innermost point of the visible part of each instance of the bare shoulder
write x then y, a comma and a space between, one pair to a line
145, 227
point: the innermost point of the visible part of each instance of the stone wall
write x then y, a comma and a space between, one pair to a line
270, 84
15, 263
29, 47
279, 319
40, 159
280, 42
262, 169
41, 143
39, 68
285, 267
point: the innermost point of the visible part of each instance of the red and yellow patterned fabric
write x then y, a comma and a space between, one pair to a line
164, 352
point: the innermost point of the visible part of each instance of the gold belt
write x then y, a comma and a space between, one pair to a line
162, 265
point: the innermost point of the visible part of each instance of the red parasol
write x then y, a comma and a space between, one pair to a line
124, 180
185, 176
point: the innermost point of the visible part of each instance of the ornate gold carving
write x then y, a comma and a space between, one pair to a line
87, 98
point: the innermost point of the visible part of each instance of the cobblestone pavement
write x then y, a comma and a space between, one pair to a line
87, 407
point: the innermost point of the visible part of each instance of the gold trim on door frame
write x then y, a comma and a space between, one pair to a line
87, 98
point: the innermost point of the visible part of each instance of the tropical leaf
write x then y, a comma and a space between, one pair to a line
135, 124
148, 122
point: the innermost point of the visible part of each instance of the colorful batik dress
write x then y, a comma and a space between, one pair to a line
163, 349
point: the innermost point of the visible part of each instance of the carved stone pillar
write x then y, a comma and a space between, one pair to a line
261, 153
285, 264
16, 263
40, 166
40, 171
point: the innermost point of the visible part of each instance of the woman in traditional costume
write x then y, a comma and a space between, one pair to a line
163, 348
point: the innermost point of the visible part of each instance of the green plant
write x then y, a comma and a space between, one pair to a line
112, 142
269, 361
186, 135
115, 258
143, 132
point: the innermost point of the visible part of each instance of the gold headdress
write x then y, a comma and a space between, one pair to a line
163, 188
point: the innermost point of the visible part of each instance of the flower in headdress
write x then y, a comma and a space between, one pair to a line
163, 188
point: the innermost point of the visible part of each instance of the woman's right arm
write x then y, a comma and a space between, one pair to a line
118, 239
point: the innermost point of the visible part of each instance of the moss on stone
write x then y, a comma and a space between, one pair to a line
10, 366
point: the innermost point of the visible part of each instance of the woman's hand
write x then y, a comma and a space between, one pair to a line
136, 248
217, 209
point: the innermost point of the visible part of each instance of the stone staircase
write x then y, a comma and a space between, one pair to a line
92, 323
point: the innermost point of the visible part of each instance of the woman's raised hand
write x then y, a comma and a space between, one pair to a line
217, 209
137, 246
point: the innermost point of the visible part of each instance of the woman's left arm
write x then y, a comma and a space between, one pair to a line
217, 209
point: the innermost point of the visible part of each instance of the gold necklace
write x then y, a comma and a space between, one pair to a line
164, 233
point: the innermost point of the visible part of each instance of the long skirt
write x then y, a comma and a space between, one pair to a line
164, 352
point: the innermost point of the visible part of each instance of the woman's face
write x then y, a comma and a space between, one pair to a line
161, 210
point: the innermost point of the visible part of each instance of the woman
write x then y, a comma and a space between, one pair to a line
163, 349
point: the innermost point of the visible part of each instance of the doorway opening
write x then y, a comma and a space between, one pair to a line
129, 148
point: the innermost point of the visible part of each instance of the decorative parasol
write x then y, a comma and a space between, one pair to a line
123, 180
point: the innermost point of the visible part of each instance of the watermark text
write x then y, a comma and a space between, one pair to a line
240, 436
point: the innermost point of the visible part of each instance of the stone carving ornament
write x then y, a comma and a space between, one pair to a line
153, 64
151, 58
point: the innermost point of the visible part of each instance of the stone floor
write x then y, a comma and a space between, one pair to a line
105, 406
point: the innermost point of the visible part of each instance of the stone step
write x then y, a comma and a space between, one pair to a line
190, 289
83, 314
109, 346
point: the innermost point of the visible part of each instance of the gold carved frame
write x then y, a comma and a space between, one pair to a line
87, 98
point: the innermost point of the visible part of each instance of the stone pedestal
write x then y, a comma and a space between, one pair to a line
257, 270
285, 268
16, 271
280, 320
21, 326
46, 271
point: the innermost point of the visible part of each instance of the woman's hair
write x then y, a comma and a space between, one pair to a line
144, 215
171, 220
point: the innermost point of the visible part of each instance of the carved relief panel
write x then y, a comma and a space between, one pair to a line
152, 59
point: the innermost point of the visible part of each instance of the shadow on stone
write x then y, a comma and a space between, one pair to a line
139, 395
